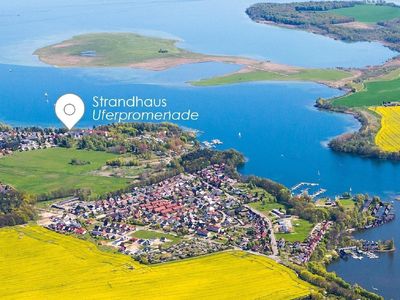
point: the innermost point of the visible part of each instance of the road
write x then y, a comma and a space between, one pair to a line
274, 246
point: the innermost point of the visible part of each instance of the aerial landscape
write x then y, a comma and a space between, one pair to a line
214, 150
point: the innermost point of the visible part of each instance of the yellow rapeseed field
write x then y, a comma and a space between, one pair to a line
36, 263
388, 137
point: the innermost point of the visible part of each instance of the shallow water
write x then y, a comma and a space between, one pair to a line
214, 27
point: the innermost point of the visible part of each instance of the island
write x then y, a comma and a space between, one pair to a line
144, 52
124, 49
372, 94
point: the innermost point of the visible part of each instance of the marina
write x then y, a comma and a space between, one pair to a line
307, 188
212, 144
357, 253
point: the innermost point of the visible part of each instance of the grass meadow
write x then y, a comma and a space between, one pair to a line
369, 13
42, 171
112, 49
301, 230
302, 75
373, 94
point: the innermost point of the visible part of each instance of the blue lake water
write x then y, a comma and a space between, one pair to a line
282, 135
217, 27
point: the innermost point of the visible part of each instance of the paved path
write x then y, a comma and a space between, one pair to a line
274, 247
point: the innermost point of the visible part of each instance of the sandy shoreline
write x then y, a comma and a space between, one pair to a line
161, 64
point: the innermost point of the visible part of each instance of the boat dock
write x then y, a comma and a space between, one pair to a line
303, 188
356, 253
212, 144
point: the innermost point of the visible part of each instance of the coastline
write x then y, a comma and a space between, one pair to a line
68, 54
349, 142
344, 141
252, 70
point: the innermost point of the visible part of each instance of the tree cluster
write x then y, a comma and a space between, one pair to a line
320, 17
15, 208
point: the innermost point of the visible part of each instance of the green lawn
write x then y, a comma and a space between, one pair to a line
301, 230
369, 13
266, 207
374, 93
302, 75
347, 203
41, 171
149, 234
112, 49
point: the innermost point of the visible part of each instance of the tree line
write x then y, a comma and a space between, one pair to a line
320, 17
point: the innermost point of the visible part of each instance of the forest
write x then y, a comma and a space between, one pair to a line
320, 17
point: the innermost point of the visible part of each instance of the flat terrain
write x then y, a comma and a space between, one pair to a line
111, 49
266, 207
388, 137
347, 203
137, 51
301, 230
373, 94
369, 13
150, 234
320, 75
40, 264
127, 50
42, 171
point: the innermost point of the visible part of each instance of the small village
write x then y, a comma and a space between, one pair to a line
31, 138
20, 139
184, 216
15, 140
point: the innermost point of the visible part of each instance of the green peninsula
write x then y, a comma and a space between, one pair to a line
151, 53
113, 49
125, 49
328, 76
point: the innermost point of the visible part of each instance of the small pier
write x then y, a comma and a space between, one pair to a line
303, 188
212, 144
356, 253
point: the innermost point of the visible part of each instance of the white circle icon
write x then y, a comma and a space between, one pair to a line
70, 109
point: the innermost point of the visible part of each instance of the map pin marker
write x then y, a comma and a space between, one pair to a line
70, 109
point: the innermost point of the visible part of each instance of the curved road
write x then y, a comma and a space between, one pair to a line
274, 247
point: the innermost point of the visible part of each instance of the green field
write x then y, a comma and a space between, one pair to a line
41, 171
373, 94
302, 75
36, 263
347, 203
369, 13
266, 207
112, 49
149, 234
301, 230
